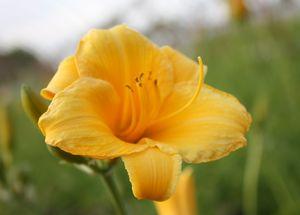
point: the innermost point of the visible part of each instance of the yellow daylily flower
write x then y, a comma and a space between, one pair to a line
120, 95
183, 201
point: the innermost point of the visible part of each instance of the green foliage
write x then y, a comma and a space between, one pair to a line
260, 65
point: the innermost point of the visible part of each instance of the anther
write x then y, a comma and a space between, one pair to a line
129, 87
141, 76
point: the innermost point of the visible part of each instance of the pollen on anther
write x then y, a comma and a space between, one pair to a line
129, 87
155, 82
141, 76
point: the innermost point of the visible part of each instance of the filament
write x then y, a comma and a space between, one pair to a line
197, 91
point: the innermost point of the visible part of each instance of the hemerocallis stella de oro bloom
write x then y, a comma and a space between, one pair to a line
120, 95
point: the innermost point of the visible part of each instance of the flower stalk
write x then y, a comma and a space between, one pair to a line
115, 195
105, 170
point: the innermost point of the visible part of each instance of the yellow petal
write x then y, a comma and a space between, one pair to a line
183, 201
65, 75
185, 69
212, 127
178, 101
153, 173
139, 71
80, 120
120, 55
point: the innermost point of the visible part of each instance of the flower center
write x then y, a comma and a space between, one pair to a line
142, 104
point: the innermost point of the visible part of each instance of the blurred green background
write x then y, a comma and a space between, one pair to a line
257, 61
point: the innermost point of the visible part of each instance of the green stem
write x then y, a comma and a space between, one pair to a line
253, 163
111, 185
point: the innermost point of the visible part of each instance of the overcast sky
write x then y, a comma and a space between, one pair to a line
48, 26
45, 26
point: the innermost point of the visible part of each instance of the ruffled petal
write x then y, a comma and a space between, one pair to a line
65, 75
153, 173
81, 118
183, 201
139, 71
120, 55
185, 69
212, 127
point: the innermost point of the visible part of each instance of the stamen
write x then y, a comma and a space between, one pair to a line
184, 107
141, 76
139, 80
138, 113
156, 100
126, 113
135, 132
134, 117
129, 87
137, 127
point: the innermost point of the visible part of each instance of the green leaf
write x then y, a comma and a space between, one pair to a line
34, 106
32, 103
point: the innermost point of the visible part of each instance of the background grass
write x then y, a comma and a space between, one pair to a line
258, 64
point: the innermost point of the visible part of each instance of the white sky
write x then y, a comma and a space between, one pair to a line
50, 27
46, 26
